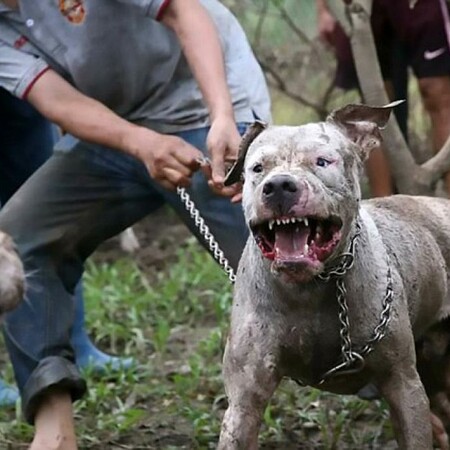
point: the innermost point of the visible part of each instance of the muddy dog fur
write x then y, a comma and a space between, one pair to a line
12, 276
285, 317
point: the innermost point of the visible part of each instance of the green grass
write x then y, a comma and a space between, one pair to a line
174, 325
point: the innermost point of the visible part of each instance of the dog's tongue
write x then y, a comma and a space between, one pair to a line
290, 241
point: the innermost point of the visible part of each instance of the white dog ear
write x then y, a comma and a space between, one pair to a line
362, 123
235, 173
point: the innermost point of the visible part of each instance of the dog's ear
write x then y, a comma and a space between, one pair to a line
362, 123
235, 173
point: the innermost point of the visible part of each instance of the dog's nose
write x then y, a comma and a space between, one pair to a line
280, 185
281, 192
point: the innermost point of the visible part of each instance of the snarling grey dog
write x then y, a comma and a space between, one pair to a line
331, 290
11, 275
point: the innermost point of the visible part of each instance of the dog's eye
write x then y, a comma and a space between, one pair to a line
322, 162
257, 168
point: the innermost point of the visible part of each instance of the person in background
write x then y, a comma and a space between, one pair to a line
404, 37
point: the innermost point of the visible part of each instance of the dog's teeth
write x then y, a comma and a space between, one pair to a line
278, 222
305, 220
271, 222
305, 249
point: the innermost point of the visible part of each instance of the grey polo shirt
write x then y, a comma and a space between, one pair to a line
114, 51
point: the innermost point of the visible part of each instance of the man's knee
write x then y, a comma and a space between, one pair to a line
435, 92
28, 241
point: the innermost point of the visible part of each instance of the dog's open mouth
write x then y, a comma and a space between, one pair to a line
298, 239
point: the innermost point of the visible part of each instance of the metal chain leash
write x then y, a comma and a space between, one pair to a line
206, 233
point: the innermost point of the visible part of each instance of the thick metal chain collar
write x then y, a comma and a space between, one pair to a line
352, 361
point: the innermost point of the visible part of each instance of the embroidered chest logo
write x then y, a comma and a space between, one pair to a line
72, 10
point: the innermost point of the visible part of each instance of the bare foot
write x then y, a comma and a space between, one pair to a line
58, 442
54, 423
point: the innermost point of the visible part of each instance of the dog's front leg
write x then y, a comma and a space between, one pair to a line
409, 407
250, 380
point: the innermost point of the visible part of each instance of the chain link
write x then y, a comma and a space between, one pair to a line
206, 233
385, 317
344, 262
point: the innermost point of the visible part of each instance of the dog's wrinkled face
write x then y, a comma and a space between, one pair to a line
11, 275
301, 192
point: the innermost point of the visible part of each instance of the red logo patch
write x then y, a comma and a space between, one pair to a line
72, 10
20, 42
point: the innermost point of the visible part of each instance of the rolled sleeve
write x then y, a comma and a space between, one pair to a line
19, 70
151, 8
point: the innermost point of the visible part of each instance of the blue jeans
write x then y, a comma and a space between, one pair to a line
26, 142
83, 195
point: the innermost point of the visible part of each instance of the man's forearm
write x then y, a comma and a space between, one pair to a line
201, 45
79, 115
170, 160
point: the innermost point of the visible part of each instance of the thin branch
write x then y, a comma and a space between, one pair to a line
259, 25
439, 164
287, 18
326, 98
281, 85
301, 35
